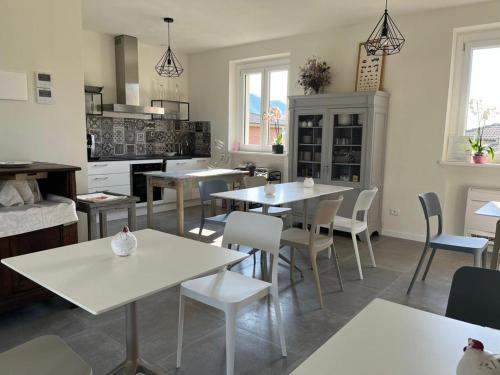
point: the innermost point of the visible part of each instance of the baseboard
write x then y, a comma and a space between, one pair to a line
403, 235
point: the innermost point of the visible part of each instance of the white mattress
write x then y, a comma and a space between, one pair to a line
53, 211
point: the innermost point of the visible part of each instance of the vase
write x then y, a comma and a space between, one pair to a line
124, 243
277, 149
308, 182
479, 158
269, 189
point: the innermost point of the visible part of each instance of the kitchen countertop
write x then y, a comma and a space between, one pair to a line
146, 157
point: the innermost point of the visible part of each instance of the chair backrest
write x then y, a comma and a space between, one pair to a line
364, 202
207, 188
432, 207
324, 216
474, 297
254, 181
257, 231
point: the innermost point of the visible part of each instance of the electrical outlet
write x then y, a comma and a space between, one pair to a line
394, 211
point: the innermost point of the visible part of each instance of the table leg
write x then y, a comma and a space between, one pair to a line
180, 207
132, 217
263, 254
133, 364
103, 223
151, 214
496, 248
91, 225
304, 221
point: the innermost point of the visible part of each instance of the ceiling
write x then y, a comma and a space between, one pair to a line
204, 24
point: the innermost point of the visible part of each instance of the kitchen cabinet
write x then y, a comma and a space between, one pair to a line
339, 139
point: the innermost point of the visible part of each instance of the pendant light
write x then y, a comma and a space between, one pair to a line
385, 39
169, 65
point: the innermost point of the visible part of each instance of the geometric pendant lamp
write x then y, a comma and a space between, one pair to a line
385, 39
169, 65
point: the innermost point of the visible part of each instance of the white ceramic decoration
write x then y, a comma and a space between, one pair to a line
477, 361
269, 189
124, 243
308, 182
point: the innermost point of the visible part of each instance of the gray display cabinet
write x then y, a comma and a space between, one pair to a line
339, 139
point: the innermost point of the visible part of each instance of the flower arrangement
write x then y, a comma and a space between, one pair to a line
479, 150
314, 75
274, 115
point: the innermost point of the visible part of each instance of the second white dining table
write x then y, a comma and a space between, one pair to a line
89, 275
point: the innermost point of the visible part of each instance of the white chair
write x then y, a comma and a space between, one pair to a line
255, 181
354, 226
314, 241
44, 355
230, 291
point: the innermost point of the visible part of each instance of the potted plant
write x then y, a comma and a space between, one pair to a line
314, 75
274, 115
480, 151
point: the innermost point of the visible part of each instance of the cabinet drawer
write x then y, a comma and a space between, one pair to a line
102, 180
200, 163
178, 165
102, 167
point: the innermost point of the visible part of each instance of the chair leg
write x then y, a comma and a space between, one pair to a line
431, 258
420, 262
316, 278
292, 262
356, 252
277, 311
180, 330
329, 254
202, 223
484, 258
337, 266
230, 340
370, 248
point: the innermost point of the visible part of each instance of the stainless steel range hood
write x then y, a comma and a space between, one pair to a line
127, 79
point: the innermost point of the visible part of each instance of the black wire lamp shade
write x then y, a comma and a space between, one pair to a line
385, 39
169, 65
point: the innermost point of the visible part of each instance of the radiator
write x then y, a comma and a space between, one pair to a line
479, 225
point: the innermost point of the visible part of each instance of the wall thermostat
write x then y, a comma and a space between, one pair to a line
43, 83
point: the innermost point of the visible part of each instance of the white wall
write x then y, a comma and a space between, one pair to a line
99, 67
44, 35
417, 80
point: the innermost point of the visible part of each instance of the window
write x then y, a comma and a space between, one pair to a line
262, 88
474, 91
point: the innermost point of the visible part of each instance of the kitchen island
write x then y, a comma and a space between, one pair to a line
177, 180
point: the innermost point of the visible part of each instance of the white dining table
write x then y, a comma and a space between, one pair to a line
493, 209
89, 275
388, 338
285, 193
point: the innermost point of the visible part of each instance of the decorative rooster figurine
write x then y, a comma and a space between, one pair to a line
477, 361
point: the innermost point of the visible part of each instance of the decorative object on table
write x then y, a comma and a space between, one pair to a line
270, 189
308, 182
169, 65
480, 151
220, 155
370, 73
385, 39
124, 243
274, 114
314, 76
477, 361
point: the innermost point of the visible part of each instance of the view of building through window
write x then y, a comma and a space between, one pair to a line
484, 85
272, 85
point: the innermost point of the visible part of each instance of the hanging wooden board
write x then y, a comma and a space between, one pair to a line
370, 71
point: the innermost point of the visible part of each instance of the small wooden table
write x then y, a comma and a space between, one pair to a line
493, 209
89, 275
388, 338
177, 180
92, 209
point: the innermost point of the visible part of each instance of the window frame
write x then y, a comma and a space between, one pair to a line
465, 40
265, 67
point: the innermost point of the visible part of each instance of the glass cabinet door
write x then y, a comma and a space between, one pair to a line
347, 146
309, 140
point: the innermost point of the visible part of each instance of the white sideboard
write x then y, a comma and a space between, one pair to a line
480, 225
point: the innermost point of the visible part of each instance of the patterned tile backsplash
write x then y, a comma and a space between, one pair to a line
130, 136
